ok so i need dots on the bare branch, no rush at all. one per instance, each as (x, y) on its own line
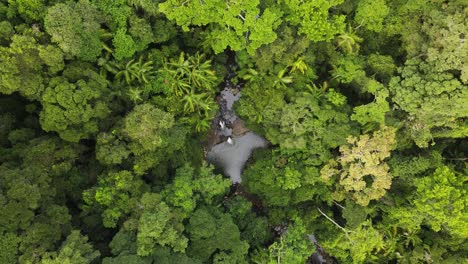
(333, 221)
(339, 205)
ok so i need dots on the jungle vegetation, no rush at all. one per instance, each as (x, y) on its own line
(105, 105)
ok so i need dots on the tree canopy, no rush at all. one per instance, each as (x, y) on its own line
(115, 116)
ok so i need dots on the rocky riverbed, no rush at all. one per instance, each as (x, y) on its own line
(230, 142)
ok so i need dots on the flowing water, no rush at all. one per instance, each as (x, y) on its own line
(237, 142)
(231, 144)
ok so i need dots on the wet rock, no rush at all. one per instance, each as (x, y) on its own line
(239, 128)
(231, 156)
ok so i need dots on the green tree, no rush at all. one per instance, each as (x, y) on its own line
(313, 19)
(149, 6)
(438, 38)
(374, 112)
(147, 126)
(6, 32)
(447, 48)
(357, 245)
(30, 9)
(293, 246)
(124, 45)
(75, 28)
(428, 222)
(239, 25)
(441, 199)
(123, 247)
(303, 125)
(30, 196)
(383, 67)
(191, 187)
(22, 66)
(74, 109)
(140, 29)
(144, 139)
(8, 124)
(117, 11)
(286, 50)
(8, 247)
(131, 33)
(111, 149)
(371, 14)
(254, 229)
(213, 235)
(75, 250)
(159, 224)
(434, 102)
(282, 185)
(117, 193)
(52, 57)
(347, 69)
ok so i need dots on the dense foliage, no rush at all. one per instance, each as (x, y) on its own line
(104, 105)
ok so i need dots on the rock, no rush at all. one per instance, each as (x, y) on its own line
(238, 128)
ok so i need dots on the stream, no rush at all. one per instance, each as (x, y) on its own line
(232, 143)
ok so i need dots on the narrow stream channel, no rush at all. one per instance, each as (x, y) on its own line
(231, 144)
(236, 141)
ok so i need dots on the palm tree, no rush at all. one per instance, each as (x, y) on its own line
(135, 95)
(282, 80)
(191, 80)
(349, 41)
(299, 65)
(134, 71)
(200, 103)
(191, 74)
